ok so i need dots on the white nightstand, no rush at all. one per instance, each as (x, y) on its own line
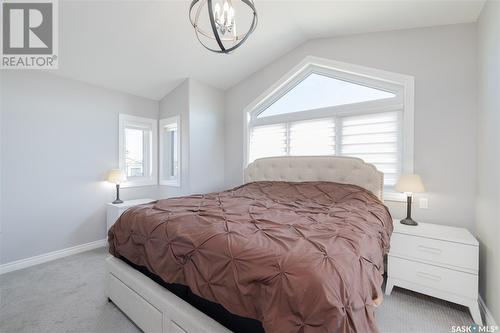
(115, 210)
(435, 260)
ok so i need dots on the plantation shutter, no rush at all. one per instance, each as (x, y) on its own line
(375, 138)
(268, 140)
(312, 137)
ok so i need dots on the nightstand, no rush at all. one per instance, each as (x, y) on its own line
(115, 210)
(435, 260)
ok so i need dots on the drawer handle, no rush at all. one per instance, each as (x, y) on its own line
(429, 276)
(432, 250)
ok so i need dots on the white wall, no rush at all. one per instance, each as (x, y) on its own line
(206, 138)
(176, 103)
(59, 138)
(488, 154)
(201, 108)
(443, 62)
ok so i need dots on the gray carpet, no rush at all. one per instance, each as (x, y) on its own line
(67, 295)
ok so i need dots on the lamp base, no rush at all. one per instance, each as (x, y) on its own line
(408, 221)
(118, 201)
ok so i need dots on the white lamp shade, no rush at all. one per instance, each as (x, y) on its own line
(410, 183)
(116, 176)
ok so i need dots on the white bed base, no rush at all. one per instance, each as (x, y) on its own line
(155, 309)
(152, 307)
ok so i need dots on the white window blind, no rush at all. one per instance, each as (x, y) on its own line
(312, 137)
(268, 140)
(375, 138)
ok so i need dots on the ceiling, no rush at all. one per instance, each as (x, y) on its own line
(147, 48)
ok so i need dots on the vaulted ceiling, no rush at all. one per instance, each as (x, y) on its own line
(147, 48)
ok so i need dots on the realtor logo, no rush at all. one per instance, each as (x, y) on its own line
(29, 34)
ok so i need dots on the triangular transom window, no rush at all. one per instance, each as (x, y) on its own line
(319, 91)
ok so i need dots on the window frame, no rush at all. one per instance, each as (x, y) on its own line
(334, 74)
(401, 85)
(163, 123)
(129, 121)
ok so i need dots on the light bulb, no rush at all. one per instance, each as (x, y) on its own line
(217, 12)
(231, 15)
(225, 10)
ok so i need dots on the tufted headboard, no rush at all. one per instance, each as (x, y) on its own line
(339, 169)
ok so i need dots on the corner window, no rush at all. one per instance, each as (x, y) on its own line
(330, 108)
(138, 150)
(170, 147)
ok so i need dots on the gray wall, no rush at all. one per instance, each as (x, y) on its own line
(206, 130)
(201, 108)
(176, 103)
(1, 159)
(443, 62)
(59, 138)
(488, 155)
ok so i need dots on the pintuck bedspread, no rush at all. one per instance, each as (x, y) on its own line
(299, 257)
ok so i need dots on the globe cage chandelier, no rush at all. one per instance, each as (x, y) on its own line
(222, 24)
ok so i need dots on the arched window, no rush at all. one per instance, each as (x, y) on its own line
(324, 107)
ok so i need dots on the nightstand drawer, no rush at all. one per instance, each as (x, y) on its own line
(438, 278)
(448, 254)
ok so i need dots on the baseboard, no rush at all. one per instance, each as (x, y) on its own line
(40, 259)
(488, 317)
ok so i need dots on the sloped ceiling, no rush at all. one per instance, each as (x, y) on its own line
(147, 48)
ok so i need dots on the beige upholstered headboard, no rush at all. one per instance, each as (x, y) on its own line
(339, 169)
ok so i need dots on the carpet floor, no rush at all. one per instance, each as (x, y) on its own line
(68, 295)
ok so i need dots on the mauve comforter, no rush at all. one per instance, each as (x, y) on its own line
(299, 257)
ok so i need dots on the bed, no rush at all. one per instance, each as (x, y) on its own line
(298, 248)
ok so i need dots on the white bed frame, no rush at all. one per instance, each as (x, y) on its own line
(155, 309)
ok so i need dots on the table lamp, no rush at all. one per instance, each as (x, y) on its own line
(409, 184)
(117, 176)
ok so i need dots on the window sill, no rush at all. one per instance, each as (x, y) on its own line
(172, 183)
(139, 183)
(394, 196)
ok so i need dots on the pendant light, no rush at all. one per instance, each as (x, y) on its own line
(215, 23)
